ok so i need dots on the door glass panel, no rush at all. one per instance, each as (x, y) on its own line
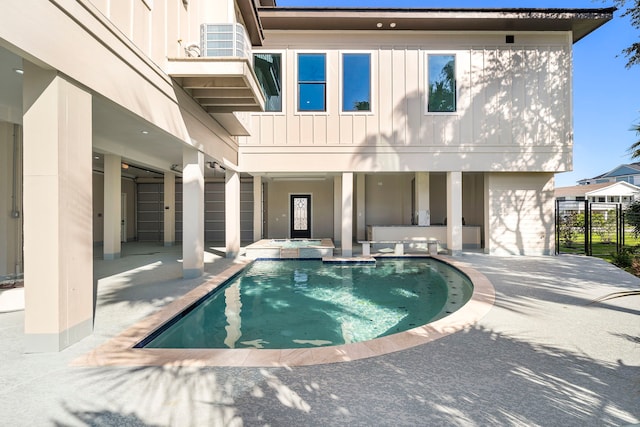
(300, 213)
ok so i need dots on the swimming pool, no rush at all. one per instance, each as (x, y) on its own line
(302, 304)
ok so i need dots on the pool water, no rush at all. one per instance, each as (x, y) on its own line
(301, 303)
(294, 243)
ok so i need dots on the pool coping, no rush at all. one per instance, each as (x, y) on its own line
(120, 351)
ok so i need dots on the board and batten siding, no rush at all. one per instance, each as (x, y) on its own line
(513, 113)
(519, 212)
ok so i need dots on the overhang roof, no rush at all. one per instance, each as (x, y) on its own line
(580, 22)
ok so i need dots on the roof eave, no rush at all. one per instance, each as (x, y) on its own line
(580, 22)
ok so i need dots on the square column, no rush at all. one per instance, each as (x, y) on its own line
(361, 227)
(337, 210)
(347, 214)
(58, 235)
(112, 206)
(192, 213)
(454, 213)
(169, 208)
(257, 208)
(232, 213)
(423, 215)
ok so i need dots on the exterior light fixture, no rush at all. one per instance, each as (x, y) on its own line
(125, 166)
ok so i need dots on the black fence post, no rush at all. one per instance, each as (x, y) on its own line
(587, 228)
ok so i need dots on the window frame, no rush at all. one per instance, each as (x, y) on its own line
(283, 78)
(370, 111)
(326, 82)
(456, 100)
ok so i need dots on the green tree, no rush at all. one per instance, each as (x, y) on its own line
(632, 10)
(632, 217)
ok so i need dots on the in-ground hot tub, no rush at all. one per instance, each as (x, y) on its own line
(290, 248)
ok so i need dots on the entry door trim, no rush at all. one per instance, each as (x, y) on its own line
(300, 228)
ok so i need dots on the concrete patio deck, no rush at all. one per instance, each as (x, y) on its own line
(542, 356)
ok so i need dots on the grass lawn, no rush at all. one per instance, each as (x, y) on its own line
(599, 248)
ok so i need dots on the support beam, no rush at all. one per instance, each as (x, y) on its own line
(423, 213)
(232, 213)
(347, 214)
(192, 213)
(112, 206)
(454, 213)
(257, 208)
(361, 214)
(58, 237)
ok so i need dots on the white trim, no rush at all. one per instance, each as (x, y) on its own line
(372, 78)
(296, 94)
(425, 101)
(283, 77)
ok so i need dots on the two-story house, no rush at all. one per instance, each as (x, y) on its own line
(183, 121)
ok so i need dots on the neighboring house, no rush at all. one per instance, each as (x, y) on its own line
(131, 120)
(617, 192)
(624, 173)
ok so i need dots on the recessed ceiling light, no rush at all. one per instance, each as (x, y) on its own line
(19, 71)
(96, 157)
(392, 25)
(144, 132)
(379, 25)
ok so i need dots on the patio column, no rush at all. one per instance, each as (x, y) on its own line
(192, 213)
(361, 227)
(257, 208)
(337, 210)
(454, 213)
(58, 230)
(423, 216)
(347, 214)
(232, 213)
(112, 206)
(169, 208)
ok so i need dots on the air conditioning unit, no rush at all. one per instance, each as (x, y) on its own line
(230, 40)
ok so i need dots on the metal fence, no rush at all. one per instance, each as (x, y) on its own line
(589, 228)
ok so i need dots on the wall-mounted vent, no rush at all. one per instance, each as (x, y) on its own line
(224, 40)
(510, 39)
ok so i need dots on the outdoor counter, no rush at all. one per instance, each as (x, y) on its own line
(470, 233)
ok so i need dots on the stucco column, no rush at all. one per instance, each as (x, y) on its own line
(423, 214)
(112, 206)
(454, 213)
(58, 236)
(361, 227)
(232, 213)
(169, 208)
(192, 213)
(347, 214)
(337, 210)
(257, 208)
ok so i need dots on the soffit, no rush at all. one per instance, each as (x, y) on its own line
(580, 22)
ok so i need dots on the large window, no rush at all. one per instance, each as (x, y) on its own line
(356, 82)
(268, 68)
(442, 83)
(312, 82)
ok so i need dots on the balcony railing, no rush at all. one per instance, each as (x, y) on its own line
(224, 40)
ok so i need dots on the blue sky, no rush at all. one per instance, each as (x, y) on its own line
(606, 95)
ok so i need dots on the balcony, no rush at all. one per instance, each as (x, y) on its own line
(219, 75)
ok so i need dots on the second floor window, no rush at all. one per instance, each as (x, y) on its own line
(268, 68)
(312, 82)
(442, 83)
(356, 82)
